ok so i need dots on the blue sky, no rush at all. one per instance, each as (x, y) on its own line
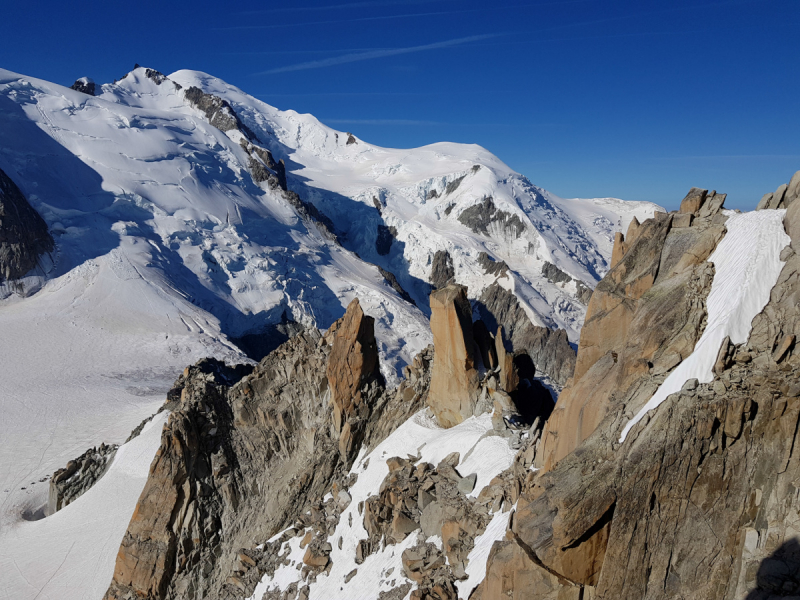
(638, 100)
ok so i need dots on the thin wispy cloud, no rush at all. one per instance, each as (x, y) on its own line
(337, 21)
(373, 54)
(382, 122)
(343, 6)
(459, 11)
(732, 157)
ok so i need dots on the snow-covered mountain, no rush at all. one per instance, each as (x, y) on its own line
(174, 240)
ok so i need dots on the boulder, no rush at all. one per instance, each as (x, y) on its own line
(693, 201)
(454, 380)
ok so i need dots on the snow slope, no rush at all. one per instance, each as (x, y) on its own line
(383, 570)
(747, 265)
(346, 181)
(71, 554)
(166, 250)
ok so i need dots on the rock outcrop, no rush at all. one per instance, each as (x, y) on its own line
(24, 237)
(491, 266)
(442, 271)
(352, 366)
(84, 85)
(383, 242)
(390, 278)
(69, 483)
(217, 110)
(549, 349)
(483, 216)
(643, 319)
(556, 275)
(454, 381)
(245, 454)
(784, 196)
(699, 501)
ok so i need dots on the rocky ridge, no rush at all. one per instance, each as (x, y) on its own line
(24, 237)
(249, 452)
(69, 483)
(697, 502)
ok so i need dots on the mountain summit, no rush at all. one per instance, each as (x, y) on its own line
(190, 220)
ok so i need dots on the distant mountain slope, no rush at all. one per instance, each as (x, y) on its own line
(174, 237)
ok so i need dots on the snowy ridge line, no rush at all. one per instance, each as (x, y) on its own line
(747, 266)
(167, 250)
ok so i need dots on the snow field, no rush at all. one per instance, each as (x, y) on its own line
(71, 554)
(747, 265)
(165, 249)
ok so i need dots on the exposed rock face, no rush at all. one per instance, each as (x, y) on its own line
(699, 501)
(556, 275)
(157, 76)
(454, 382)
(23, 233)
(647, 313)
(218, 111)
(78, 476)
(311, 213)
(515, 576)
(699, 504)
(352, 366)
(178, 520)
(784, 196)
(491, 266)
(453, 185)
(395, 407)
(386, 235)
(549, 349)
(480, 217)
(84, 85)
(246, 455)
(442, 271)
(395, 285)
